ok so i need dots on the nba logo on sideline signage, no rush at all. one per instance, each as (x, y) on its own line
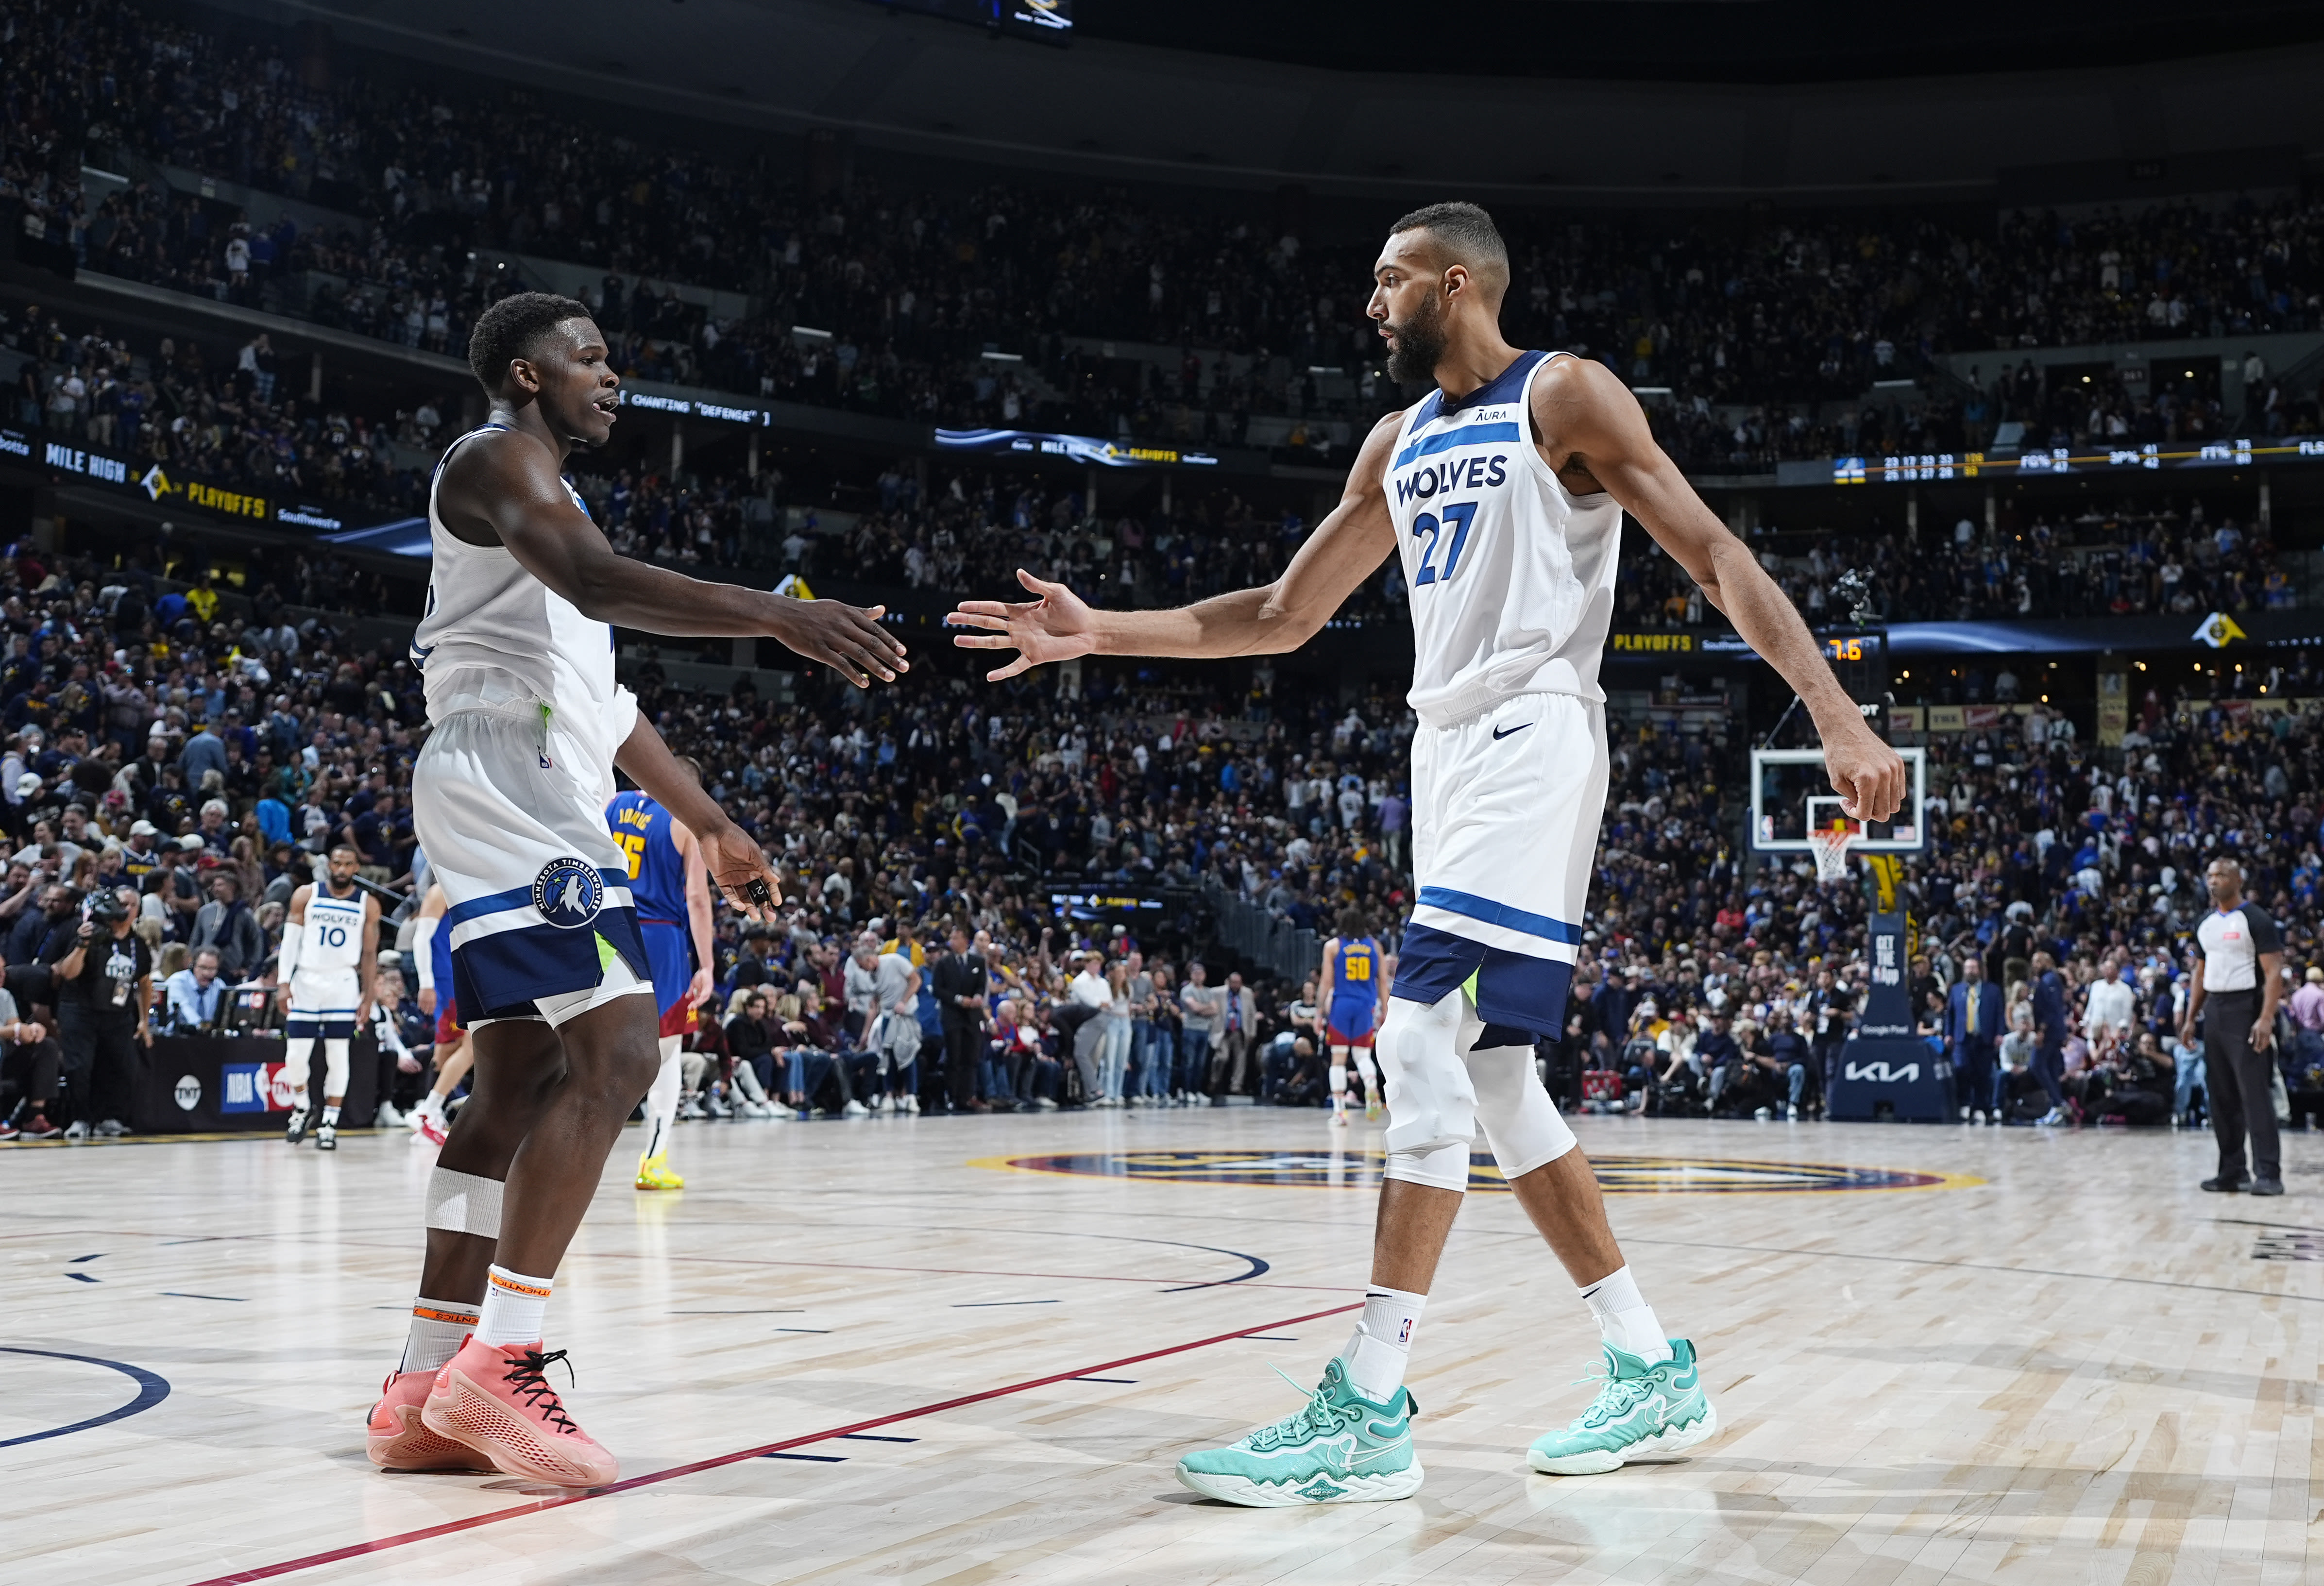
(254, 1087)
(569, 892)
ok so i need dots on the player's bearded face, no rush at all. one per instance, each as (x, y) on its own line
(1419, 343)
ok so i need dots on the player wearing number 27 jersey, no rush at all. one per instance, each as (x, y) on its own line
(1501, 492)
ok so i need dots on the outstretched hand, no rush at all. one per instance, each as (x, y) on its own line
(847, 638)
(1054, 627)
(1864, 771)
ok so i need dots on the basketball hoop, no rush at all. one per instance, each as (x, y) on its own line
(1829, 846)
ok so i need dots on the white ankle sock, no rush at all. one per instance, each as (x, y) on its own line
(331, 1116)
(1382, 1345)
(438, 1326)
(1625, 1320)
(514, 1309)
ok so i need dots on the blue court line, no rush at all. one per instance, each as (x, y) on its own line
(802, 1330)
(875, 1437)
(77, 1260)
(1105, 1379)
(1270, 1338)
(179, 1295)
(81, 1277)
(817, 1459)
(152, 1390)
(985, 1305)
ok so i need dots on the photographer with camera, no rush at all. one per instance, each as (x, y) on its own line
(104, 991)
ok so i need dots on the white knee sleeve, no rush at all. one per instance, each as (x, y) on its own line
(335, 1067)
(1367, 1067)
(462, 1202)
(1432, 1105)
(1522, 1125)
(296, 1051)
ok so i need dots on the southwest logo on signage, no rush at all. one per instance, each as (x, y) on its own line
(255, 1087)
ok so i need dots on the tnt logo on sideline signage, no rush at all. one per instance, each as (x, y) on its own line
(255, 1087)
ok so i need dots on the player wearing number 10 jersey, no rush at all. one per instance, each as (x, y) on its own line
(1502, 492)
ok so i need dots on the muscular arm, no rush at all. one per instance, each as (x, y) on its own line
(1352, 539)
(1596, 435)
(367, 972)
(504, 489)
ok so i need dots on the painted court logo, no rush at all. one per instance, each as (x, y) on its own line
(1617, 1175)
(569, 892)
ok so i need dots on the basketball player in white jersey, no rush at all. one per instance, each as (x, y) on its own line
(326, 968)
(1503, 491)
(508, 799)
(431, 946)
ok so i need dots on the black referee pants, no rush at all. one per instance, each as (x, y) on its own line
(2242, 1100)
(99, 1054)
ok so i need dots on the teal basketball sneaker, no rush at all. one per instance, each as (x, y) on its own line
(1342, 1448)
(1642, 1412)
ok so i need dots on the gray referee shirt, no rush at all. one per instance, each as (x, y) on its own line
(2230, 941)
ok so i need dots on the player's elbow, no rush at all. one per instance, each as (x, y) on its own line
(1283, 625)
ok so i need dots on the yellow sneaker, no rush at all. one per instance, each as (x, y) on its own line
(1371, 1108)
(653, 1173)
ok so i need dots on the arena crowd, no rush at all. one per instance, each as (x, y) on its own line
(193, 754)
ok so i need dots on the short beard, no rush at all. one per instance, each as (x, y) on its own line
(1419, 345)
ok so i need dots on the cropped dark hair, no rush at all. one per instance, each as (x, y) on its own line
(1467, 236)
(512, 328)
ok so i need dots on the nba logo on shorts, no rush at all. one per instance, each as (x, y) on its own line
(569, 892)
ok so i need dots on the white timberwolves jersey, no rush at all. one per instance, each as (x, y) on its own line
(1510, 576)
(498, 637)
(332, 943)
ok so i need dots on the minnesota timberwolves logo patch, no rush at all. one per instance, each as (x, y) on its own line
(569, 892)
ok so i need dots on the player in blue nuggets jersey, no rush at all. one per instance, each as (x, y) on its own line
(1354, 996)
(672, 889)
(1501, 494)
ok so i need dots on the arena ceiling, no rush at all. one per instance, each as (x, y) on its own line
(1496, 101)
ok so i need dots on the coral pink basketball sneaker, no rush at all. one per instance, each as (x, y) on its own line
(497, 1401)
(399, 1442)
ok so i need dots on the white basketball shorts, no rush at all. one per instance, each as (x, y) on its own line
(323, 1005)
(1505, 814)
(513, 825)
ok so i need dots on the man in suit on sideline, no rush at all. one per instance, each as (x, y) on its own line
(961, 985)
(1973, 1029)
(1237, 1026)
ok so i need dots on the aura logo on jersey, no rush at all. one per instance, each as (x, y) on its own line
(1618, 1175)
(569, 892)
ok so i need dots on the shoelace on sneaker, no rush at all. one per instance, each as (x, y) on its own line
(1316, 1418)
(529, 1374)
(1614, 1399)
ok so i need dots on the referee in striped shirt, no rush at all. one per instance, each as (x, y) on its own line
(2237, 985)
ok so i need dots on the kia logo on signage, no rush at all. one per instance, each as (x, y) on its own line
(188, 1092)
(1883, 1074)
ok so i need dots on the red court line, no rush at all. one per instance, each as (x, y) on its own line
(450, 1527)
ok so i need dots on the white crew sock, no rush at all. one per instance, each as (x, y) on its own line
(514, 1309)
(1625, 1320)
(1382, 1345)
(331, 1115)
(438, 1326)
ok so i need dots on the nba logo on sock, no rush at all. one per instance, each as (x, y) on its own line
(569, 892)
(1404, 1333)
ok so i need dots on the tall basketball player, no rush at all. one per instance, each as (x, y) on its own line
(672, 890)
(1354, 999)
(1503, 491)
(328, 963)
(508, 799)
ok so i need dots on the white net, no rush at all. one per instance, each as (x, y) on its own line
(1829, 846)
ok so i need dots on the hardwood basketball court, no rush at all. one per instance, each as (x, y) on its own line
(969, 1350)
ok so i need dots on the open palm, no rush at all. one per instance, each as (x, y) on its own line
(1055, 627)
